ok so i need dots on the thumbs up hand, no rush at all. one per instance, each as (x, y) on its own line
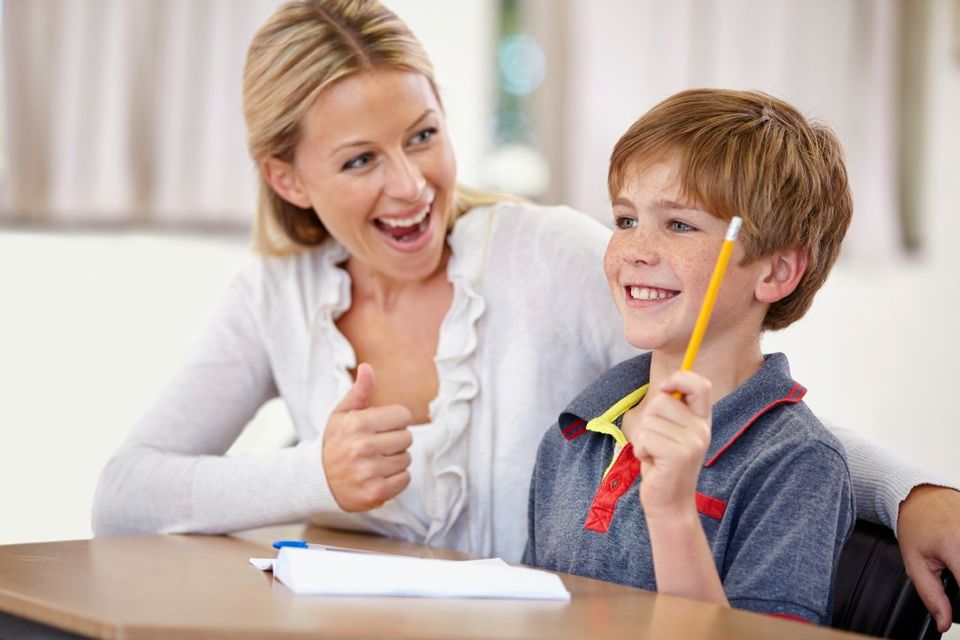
(365, 454)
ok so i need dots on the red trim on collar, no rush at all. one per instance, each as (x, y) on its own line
(787, 616)
(574, 429)
(796, 395)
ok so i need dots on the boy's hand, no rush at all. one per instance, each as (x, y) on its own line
(670, 438)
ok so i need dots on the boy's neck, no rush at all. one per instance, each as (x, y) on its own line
(727, 363)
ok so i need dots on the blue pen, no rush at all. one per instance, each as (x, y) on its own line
(302, 544)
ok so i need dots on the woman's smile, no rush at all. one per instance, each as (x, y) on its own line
(408, 231)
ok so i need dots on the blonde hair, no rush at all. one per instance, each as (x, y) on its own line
(304, 47)
(749, 154)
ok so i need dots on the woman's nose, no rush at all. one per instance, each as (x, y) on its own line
(405, 181)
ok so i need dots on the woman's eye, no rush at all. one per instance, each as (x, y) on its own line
(361, 160)
(678, 226)
(624, 222)
(424, 136)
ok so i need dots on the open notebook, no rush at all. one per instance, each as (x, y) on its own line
(327, 572)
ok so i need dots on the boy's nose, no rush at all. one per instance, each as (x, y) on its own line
(641, 250)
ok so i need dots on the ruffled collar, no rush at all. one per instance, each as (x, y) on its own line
(332, 357)
(458, 336)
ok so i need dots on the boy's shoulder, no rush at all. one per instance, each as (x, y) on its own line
(763, 418)
(769, 408)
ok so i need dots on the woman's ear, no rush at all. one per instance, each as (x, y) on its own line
(784, 269)
(284, 180)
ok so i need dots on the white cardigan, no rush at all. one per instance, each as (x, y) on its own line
(531, 324)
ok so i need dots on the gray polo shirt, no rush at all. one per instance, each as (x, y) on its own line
(774, 495)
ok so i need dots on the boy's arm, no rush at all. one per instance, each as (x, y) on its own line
(670, 438)
(682, 560)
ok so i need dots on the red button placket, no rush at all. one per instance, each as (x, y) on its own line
(617, 481)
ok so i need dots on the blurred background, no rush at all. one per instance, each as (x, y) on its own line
(126, 193)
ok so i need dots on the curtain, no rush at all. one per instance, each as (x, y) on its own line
(127, 111)
(836, 60)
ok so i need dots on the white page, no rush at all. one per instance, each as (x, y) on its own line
(321, 572)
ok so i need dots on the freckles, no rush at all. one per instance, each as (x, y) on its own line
(703, 260)
(706, 253)
(610, 259)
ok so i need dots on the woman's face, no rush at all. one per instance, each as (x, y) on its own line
(375, 163)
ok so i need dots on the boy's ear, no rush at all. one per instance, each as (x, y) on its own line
(284, 180)
(781, 275)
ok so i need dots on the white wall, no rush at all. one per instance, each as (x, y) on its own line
(91, 328)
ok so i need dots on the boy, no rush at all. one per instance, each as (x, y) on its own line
(747, 505)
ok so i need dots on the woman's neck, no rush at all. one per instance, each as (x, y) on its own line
(379, 290)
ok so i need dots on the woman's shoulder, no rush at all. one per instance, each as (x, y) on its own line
(301, 275)
(520, 213)
(528, 226)
(533, 249)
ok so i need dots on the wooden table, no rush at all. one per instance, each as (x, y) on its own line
(203, 587)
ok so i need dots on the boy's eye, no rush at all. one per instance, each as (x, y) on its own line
(423, 136)
(678, 226)
(361, 160)
(624, 222)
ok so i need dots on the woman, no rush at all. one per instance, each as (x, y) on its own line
(474, 317)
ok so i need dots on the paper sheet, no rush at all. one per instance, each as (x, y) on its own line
(322, 572)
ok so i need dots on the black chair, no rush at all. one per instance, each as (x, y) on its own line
(873, 594)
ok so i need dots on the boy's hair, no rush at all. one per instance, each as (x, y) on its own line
(749, 154)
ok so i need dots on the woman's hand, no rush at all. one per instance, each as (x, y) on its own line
(928, 529)
(365, 454)
(670, 438)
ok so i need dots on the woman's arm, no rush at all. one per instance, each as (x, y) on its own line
(881, 481)
(923, 510)
(171, 475)
(929, 534)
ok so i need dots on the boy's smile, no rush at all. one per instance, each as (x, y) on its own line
(659, 261)
(640, 295)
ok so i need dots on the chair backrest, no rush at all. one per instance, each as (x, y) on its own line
(873, 594)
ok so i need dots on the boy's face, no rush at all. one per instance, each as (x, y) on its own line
(659, 261)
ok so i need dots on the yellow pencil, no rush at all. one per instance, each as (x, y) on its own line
(706, 309)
